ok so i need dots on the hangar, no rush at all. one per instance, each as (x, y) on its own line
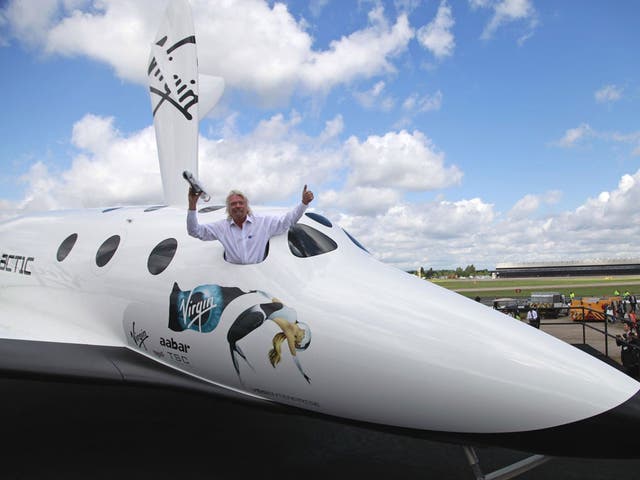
(627, 266)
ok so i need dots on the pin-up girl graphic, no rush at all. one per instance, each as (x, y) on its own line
(296, 334)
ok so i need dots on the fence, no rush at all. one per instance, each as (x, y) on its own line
(591, 315)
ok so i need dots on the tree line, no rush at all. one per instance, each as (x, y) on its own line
(466, 272)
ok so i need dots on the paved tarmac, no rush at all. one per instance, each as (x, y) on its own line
(592, 334)
(56, 430)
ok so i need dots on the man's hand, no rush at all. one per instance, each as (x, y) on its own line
(193, 198)
(307, 196)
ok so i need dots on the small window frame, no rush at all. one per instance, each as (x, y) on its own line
(321, 219)
(305, 241)
(107, 250)
(162, 255)
(66, 246)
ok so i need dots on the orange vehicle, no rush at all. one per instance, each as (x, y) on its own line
(591, 308)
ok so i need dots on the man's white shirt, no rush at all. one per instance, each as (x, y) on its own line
(247, 244)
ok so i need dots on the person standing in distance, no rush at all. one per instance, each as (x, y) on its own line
(243, 235)
(533, 317)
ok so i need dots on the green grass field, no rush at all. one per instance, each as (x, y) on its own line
(522, 287)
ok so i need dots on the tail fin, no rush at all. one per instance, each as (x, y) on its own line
(211, 89)
(175, 97)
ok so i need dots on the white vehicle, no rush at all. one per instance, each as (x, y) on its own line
(124, 294)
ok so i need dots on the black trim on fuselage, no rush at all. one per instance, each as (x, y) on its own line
(601, 436)
(102, 364)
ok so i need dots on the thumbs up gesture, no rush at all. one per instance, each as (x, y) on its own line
(307, 195)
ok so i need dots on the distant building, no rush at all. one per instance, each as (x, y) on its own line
(629, 266)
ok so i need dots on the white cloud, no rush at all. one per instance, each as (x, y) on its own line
(442, 234)
(407, 5)
(316, 6)
(400, 160)
(525, 206)
(365, 184)
(436, 36)
(40, 183)
(530, 203)
(360, 201)
(375, 98)
(94, 133)
(632, 138)
(415, 104)
(508, 11)
(433, 233)
(272, 53)
(604, 197)
(29, 20)
(425, 103)
(115, 32)
(602, 227)
(272, 163)
(574, 135)
(332, 129)
(4, 40)
(255, 47)
(608, 94)
(462, 217)
(111, 169)
(612, 210)
(553, 197)
(362, 54)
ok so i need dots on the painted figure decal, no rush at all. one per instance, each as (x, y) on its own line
(202, 308)
(297, 334)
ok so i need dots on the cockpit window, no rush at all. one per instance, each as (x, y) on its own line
(161, 256)
(66, 246)
(320, 219)
(306, 241)
(107, 250)
(355, 241)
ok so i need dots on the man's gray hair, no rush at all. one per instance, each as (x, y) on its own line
(240, 194)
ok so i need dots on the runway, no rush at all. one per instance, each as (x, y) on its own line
(77, 431)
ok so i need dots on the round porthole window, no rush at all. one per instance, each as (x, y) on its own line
(161, 256)
(107, 250)
(66, 246)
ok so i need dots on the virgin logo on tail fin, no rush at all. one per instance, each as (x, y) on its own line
(174, 88)
(169, 86)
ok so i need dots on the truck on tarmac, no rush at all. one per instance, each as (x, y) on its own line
(549, 304)
(592, 308)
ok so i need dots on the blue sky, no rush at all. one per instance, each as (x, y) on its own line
(439, 133)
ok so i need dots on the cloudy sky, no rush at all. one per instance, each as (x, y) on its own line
(440, 133)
